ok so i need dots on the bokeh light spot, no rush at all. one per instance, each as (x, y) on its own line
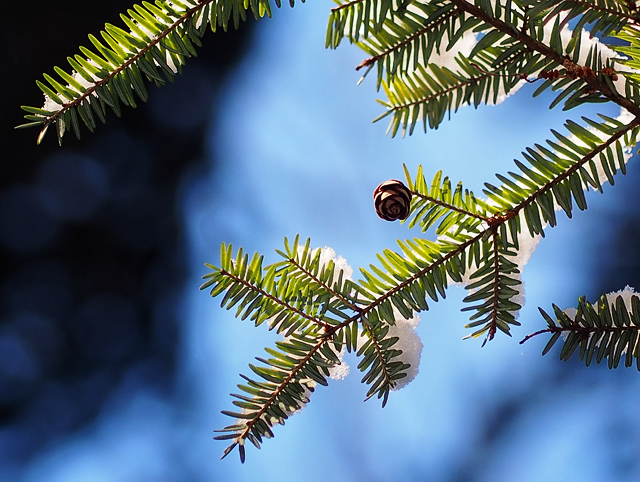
(105, 327)
(72, 187)
(24, 224)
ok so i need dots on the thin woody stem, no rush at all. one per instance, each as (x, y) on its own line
(540, 332)
(585, 330)
(346, 5)
(450, 206)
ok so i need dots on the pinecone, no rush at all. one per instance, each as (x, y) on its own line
(392, 200)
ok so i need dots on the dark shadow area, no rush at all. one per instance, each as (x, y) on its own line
(91, 251)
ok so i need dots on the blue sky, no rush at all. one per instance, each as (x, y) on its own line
(298, 154)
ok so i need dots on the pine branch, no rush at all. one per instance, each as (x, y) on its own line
(274, 294)
(402, 50)
(159, 38)
(631, 35)
(378, 358)
(440, 203)
(562, 175)
(405, 39)
(151, 30)
(432, 92)
(595, 84)
(554, 178)
(494, 287)
(307, 297)
(307, 354)
(608, 330)
(345, 292)
(301, 363)
(418, 273)
(405, 42)
(477, 240)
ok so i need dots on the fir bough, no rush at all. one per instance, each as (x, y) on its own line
(430, 58)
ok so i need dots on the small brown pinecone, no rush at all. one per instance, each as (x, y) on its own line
(392, 200)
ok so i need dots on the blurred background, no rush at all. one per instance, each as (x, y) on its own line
(114, 366)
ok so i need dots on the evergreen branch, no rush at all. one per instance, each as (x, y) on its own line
(552, 179)
(405, 40)
(304, 296)
(415, 34)
(429, 93)
(154, 25)
(267, 301)
(454, 208)
(407, 110)
(378, 357)
(449, 207)
(286, 302)
(503, 60)
(595, 83)
(422, 269)
(407, 103)
(160, 37)
(289, 378)
(562, 176)
(419, 274)
(632, 50)
(493, 324)
(609, 330)
(268, 296)
(403, 43)
(494, 287)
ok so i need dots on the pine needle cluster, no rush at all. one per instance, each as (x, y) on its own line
(429, 59)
